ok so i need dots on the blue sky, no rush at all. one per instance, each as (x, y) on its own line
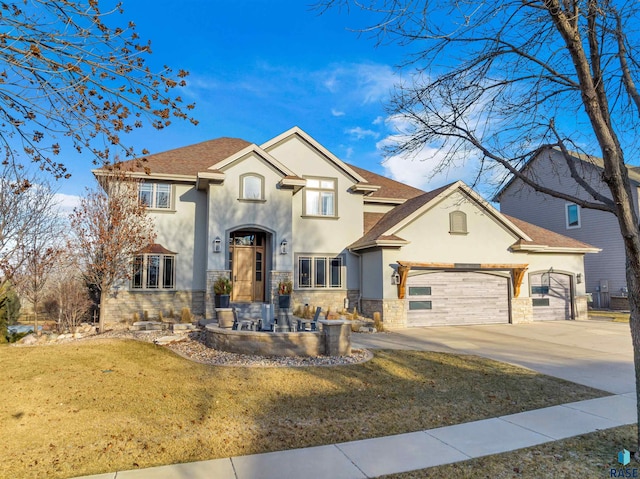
(259, 67)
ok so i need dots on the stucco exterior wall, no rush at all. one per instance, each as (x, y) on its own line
(183, 230)
(227, 213)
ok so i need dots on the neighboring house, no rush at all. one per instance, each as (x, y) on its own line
(290, 210)
(605, 272)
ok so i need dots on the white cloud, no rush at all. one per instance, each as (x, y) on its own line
(336, 112)
(429, 167)
(66, 203)
(378, 121)
(360, 133)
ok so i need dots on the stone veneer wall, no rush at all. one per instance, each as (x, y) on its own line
(212, 277)
(120, 308)
(582, 307)
(276, 278)
(325, 298)
(521, 310)
(392, 311)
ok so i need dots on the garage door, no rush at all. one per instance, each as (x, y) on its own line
(451, 298)
(550, 296)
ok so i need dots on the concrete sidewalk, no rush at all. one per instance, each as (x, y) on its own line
(405, 452)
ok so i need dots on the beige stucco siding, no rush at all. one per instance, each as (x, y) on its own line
(318, 234)
(183, 231)
(227, 211)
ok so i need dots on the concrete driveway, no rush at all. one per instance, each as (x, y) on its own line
(594, 353)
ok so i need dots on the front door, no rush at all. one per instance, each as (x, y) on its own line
(246, 255)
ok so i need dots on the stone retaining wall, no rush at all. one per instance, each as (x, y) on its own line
(333, 340)
(120, 309)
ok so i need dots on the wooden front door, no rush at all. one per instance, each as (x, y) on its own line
(246, 254)
(243, 265)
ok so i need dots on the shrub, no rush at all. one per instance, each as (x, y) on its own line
(136, 317)
(145, 315)
(185, 315)
(222, 286)
(160, 316)
(377, 322)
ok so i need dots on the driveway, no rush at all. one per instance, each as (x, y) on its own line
(594, 353)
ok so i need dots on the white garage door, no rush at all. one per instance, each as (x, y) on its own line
(551, 296)
(451, 298)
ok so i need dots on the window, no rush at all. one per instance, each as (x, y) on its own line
(320, 197)
(573, 215)
(155, 195)
(537, 302)
(153, 271)
(251, 187)
(417, 305)
(319, 272)
(457, 222)
(542, 290)
(419, 290)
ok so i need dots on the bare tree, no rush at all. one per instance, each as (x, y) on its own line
(501, 80)
(37, 254)
(109, 228)
(71, 77)
(27, 218)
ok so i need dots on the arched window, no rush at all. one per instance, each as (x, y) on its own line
(457, 222)
(252, 187)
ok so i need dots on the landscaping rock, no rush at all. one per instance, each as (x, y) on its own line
(183, 327)
(148, 326)
(164, 340)
(29, 340)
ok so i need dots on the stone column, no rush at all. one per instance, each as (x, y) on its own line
(337, 337)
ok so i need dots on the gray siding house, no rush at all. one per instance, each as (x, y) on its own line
(604, 272)
(290, 210)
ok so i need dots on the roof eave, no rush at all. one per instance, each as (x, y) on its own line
(145, 176)
(380, 244)
(554, 249)
(364, 188)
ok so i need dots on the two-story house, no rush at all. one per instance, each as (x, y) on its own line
(289, 210)
(605, 272)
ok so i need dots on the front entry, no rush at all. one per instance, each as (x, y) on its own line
(246, 262)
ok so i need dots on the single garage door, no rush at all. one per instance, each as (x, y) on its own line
(550, 296)
(453, 298)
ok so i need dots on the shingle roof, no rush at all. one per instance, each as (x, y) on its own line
(189, 160)
(545, 237)
(388, 188)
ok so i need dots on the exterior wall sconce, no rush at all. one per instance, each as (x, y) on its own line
(217, 245)
(395, 278)
(284, 247)
(579, 278)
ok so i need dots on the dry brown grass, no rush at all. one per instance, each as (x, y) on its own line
(91, 407)
(590, 456)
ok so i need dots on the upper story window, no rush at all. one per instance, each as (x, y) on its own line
(154, 271)
(572, 215)
(252, 187)
(320, 197)
(155, 195)
(458, 222)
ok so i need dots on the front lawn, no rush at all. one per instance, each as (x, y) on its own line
(98, 406)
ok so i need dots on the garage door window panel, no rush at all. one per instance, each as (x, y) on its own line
(419, 305)
(419, 290)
